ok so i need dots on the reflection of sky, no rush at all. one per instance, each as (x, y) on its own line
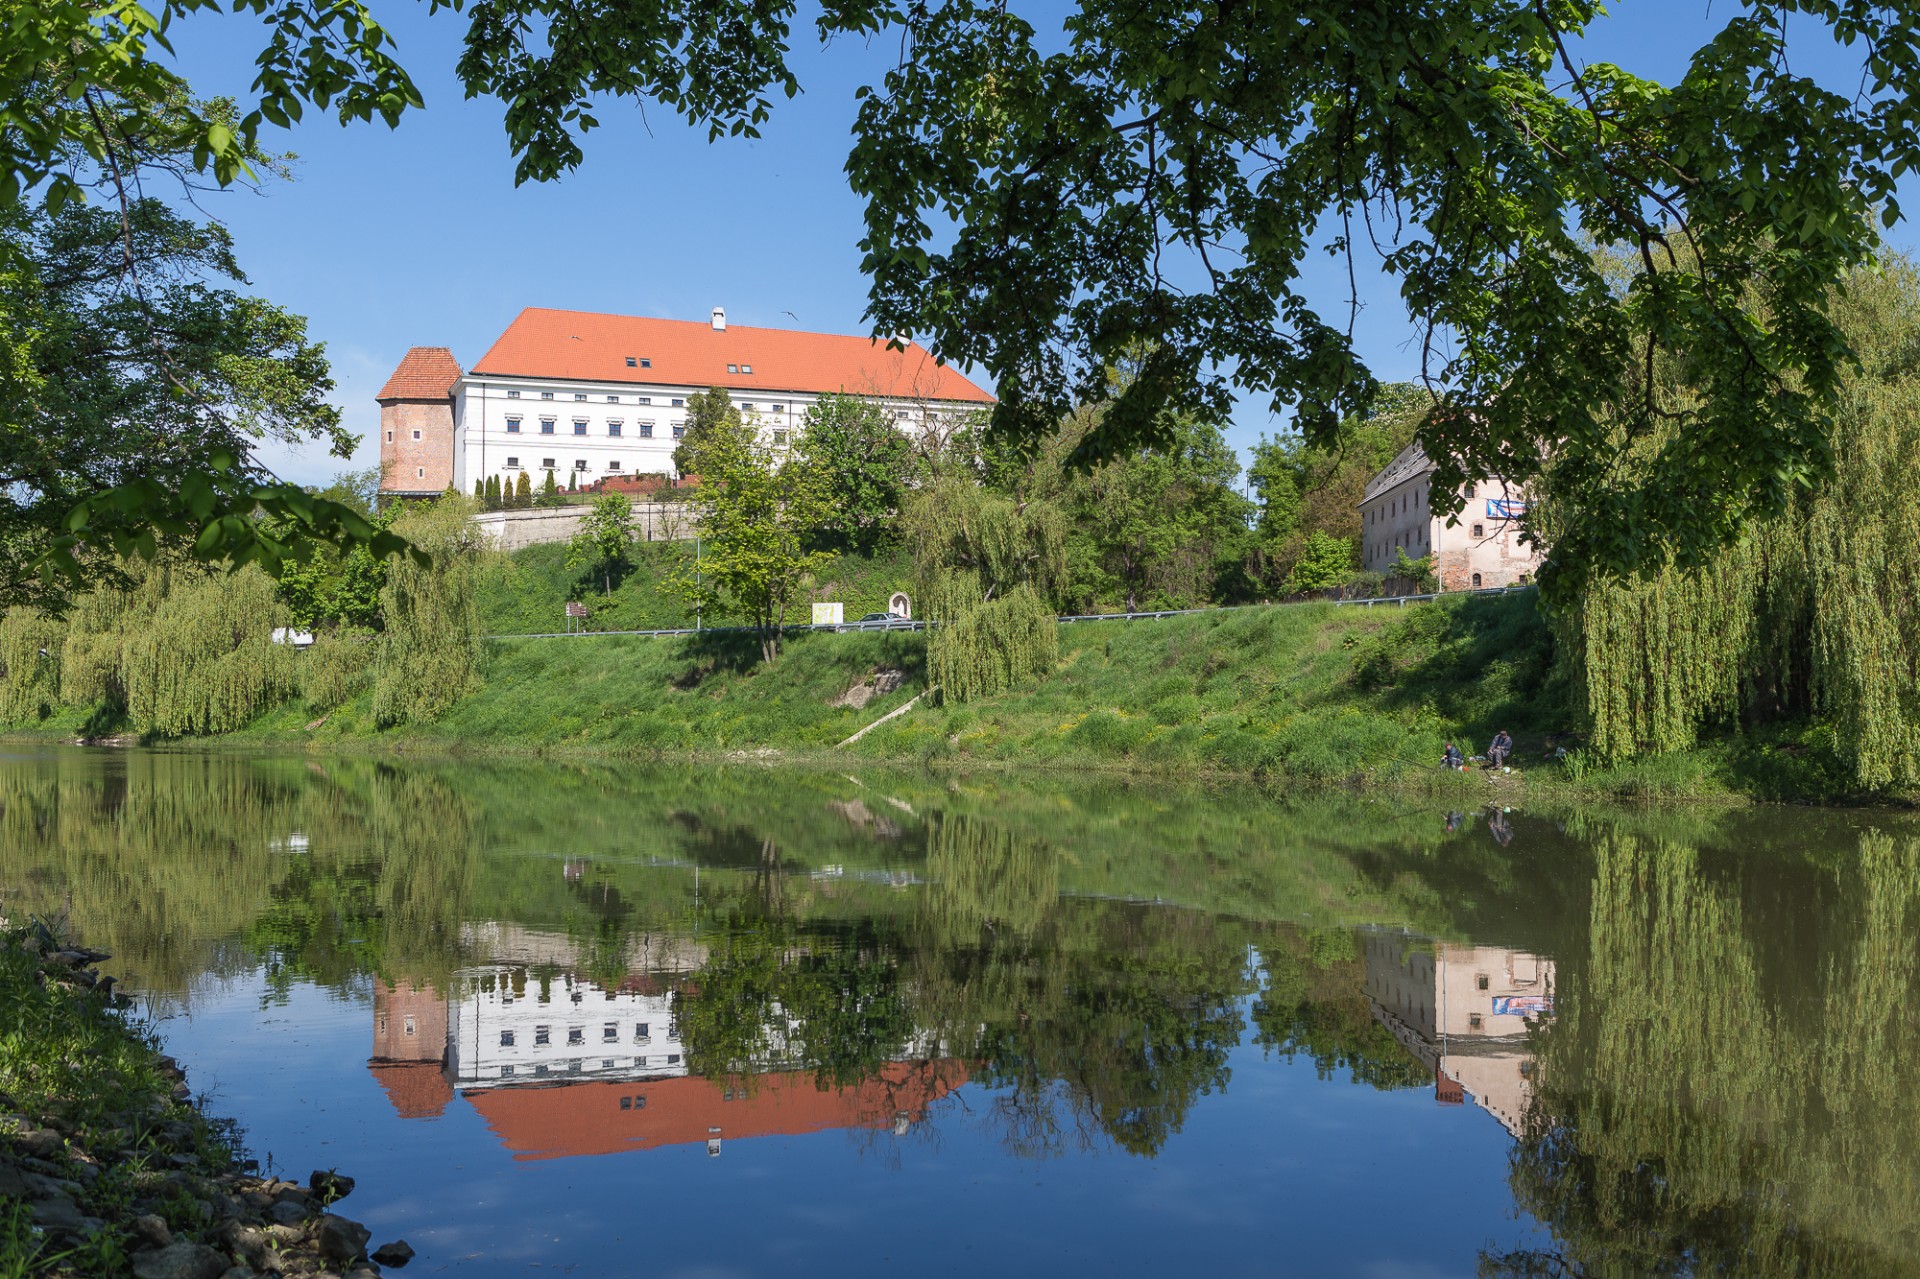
(1280, 1174)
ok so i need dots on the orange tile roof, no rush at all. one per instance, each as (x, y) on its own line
(417, 1089)
(427, 373)
(588, 347)
(587, 1118)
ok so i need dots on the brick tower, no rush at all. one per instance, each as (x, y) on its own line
(416, 424)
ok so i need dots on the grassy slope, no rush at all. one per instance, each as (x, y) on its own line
(1302, 692)
(524, 593)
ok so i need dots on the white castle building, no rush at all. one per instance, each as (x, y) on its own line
(599, 396)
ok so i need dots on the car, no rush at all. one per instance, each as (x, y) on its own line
(875, 622)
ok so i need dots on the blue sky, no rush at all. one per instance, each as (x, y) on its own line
(417, 236)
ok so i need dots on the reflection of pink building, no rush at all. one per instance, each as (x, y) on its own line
(1465, 1013)
(410, 1048)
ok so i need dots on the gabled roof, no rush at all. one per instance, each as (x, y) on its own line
(427, 373)
(588, 347)
(1411, 462)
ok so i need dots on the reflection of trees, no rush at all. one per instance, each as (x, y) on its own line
(1110, 1019)
(1314, 1001)
(987, 875)
(774, 996)
(1727, 1086)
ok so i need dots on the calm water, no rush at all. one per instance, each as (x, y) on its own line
(620, 1021)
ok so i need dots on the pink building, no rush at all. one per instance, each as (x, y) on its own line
(1479, 548)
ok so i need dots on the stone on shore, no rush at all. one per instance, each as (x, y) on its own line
(398, 1253)
(179, 1261)
(341, 1240)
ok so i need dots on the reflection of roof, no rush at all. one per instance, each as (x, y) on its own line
(588, 1118)
(585, 346)
(417, 1089)
(1412, 461)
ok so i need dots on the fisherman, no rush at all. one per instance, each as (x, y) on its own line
(1502, 748)
(1453, 758)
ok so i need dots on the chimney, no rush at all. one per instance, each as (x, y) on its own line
(719, 319)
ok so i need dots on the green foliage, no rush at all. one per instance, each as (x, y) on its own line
(493, 493)
(523, 492)
(863, 463)
(1325, 562)
(428, 655)
(970, 543)
(1815, 612)
(713, 424)
(606, 536)
(998, 645)
(1418, 571)
(29, 665)
(756, 519)
(336, 669)
(549, 492)
(109, 314)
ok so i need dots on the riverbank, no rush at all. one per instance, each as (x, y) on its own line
(1285, 696)
(108, 1168)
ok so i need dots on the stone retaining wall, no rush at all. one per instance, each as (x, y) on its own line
(511, 530)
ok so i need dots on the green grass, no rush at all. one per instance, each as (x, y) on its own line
(527, 591)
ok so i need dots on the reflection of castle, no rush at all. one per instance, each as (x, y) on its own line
(1463, 1011)
(560, 1066)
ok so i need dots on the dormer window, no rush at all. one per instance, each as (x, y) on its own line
(645, 363)
(746, 368)
(733, 368)
(632, 363)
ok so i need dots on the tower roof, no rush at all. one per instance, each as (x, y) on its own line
(427, 373)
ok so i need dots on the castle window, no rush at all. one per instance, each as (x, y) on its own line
(576, 1034)
(546, 464)
(546, 426)
(643, 399)
(1471, 490)
(1473, 1020)
(546, 395)
(646, 430)
(778, 408)
(613, 466)
(416, 435)
(744, 408)
(513, 426)
(613, 399)
(513, 464)
(513, 395)
(679, 430)
(505, 1071)
(1479, 530)
(579, 463)
(679, 404)
(579, 426)
(613, 429)
(419, 472)
(389, 437)
(1476, 581)
(506, 1039)
(579, 395)
(779, 437)
(541, 1034)
(609, 1033)
(640, 1036)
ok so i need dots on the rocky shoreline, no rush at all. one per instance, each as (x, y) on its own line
(124, 1174)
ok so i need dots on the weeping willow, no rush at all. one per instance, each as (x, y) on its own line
(1816, 611)
(996, 646)
(987, 875)
(985, 569)
(179, 650)
(430, 651)
(336, 669)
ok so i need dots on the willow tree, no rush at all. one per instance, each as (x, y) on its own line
(986, 567)
(427, 659)
(1814, 612)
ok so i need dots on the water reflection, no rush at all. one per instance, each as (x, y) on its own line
(1690, 1037)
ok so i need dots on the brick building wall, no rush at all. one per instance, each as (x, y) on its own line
(416, 445)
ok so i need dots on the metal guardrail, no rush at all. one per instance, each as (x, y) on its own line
(1399, 601)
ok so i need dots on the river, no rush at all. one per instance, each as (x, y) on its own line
(598, 1020)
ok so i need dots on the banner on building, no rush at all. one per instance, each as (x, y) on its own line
(1523, 1005)
(1504, 508)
